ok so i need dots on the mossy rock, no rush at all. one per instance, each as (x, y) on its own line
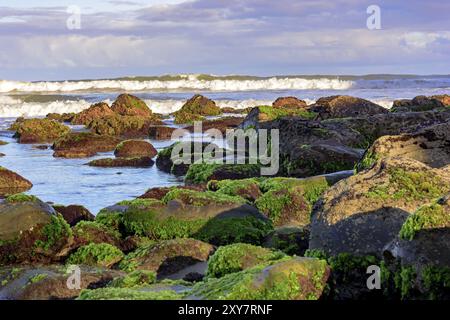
(129, 105)
(167, 257)
(418, 104)
(135, 148)
(86, 232)
(83, 144)
(199, 198)
(134, 162)
(294, 279)
(95, 111)
(137, 278)
(288, 201)
(204, 172)
(364, 213)
(126, 126)
(96, 254)
(195, 108)
(245, 188)
(74, 213)
(145, 293)
(31, 231)
(290, 240)
(238, 257)
(11, 182)
(39, 130)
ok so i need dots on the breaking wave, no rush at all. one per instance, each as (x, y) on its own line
(188, 83)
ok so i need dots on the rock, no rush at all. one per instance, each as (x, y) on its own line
(294, 279)
(64, 117)
(159, 192)
(360, 215)
(195, 108)
(2, 143)
(290, 240)
(83, 144)
(204, 172)
(419, 103)
(290, 103)
(126, 126)
(96, 254)
(95, 111)
(430, 145)
(135, 162)
(160, 132)
(86, 232)
(39, 130)
(288, 201)
(11, 182)
(31, 231)
(422, 251)
(207, 216)
(167, 257)
(444, 98)
(49, 282)
(222, 124)
(240, 256)
(245, 188)
(235, 110)
(261, 114)
(74, 213)
(129, 105)
(345, 106)
(135, 148)
(41, 147)
(2, 154)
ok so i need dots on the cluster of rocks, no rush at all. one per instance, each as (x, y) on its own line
(310, 233)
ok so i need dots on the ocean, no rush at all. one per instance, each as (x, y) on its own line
(69, 181)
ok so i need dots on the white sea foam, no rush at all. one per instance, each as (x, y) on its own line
(190, 83)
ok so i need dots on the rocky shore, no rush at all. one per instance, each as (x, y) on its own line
(358, 186)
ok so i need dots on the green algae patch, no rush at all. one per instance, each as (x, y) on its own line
(199, 198)
(203, 172)
(238, 257)
(410, 185)
(427, 217)
(20, 197)
(270, 113)
(102, 255)
(294, 279)
(245, 188)
(52, 233)
(137, 278)
(128, 294)
(92, 231)
(290, 200)
(230, 230)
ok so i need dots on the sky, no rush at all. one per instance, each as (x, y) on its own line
(254, 37)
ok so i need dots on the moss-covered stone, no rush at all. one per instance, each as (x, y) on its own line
(39, 130)
(20, 197)
(204, 172)
(83, 144)
(290, 240)
(199, 199)
(86, 232)
(128, 294)
(137, 278)
(11, 182)
(167, 257)
(294, 279)
(290, 200)
(127, 126)
(245, 188)
(195, 108)
(238, 257)
(93, 254)
(129, 105)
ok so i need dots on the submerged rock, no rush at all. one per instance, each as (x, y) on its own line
(135, 162)
(11, 182)
(83, 144)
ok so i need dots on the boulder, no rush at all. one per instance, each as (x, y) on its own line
(11, 182)
(240, 256)
(86, 232)
(246, 188)
(345, 106)
(293, 279)
(444, 98)
(74, 213)
(95, 111)
(83, 144)
(103, 255)
(39, 130)
(135, 148)
(430, 145)
(160, 132)
(204, 172)
(290, 240)
(129, 105)
(360, 215)
(222, 124)
(159, 192)
(195, 108)
(64, 117)
(262, 114)
(135, 162)
(31, 231)
(290, 103)
(419, 103)
(167, 257)
(126, 126)
(49, 282)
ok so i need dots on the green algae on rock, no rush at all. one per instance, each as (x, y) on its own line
(39, 130)
(96, 254)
